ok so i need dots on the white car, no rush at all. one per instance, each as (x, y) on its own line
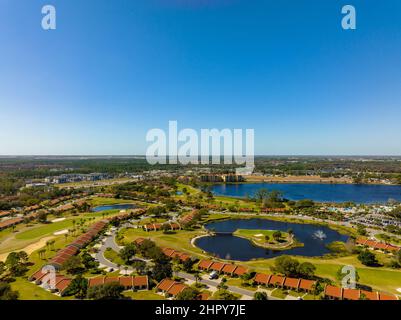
(213, 275)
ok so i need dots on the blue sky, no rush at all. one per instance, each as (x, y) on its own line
(115, 69)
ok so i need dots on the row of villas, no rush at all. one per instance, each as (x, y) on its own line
(61, 282)
(272, 280)
(337, 293)
(224, 268)
(173, 288)
(382, 246)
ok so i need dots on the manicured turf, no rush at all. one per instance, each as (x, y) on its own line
(258, 236)
(113, 256)
(30, 291)
(44, 229)
(143, 295)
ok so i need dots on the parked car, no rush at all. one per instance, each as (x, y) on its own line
(213, 275)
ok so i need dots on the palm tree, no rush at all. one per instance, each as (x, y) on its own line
(42, 253)
(197, 277)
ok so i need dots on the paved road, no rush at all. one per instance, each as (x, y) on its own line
(214, 283)
(111, 243)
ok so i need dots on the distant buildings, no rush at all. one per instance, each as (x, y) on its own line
(222, 178)
(77, 177)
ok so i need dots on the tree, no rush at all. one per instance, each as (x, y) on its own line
(162, 269)
(187, 265)
(139, 266)
(277, 235)
(367, 258)
(260, 296)
(42, 217)
(109, 291)
(398, 256)
(361, 230)
(261, 195)
(306, 270)
(222, 285)
(2, 268)
(128, 252)
(77, 287)
(197, 277)
(224, 295)
(166, 228)
(15, 263)
(188, 294)
(286, 265)
(6, 293)
(88, 261)
(73, 265)
(42, 253)
(267, 238)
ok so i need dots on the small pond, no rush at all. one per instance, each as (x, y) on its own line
(227, 246)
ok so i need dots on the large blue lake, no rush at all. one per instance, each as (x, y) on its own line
(227, 246)
(316, 192)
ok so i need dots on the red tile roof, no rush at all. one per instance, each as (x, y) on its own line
(351, 294)
(176, 289)
(292, 282)
(141, 281)
(306, 284)
(229, 268)
(217, 266)
(334, 292)
(385, 296)
(240, 270)
(370, 295)
(276, 280)
(165, 284)
(205, 264)
(262, 278)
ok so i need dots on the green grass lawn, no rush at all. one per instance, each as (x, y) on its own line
(99, 201)
(279, 293)
(388, 239)
(237, 282)
(258, 236)
(113, 256)
(43, 230)
(30, 291)
(143, 295)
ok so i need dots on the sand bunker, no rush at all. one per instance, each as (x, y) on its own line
(259, 235)
(59, 233)
(28, 249)
(58, 220)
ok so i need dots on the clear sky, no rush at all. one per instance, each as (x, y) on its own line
(115, 69)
